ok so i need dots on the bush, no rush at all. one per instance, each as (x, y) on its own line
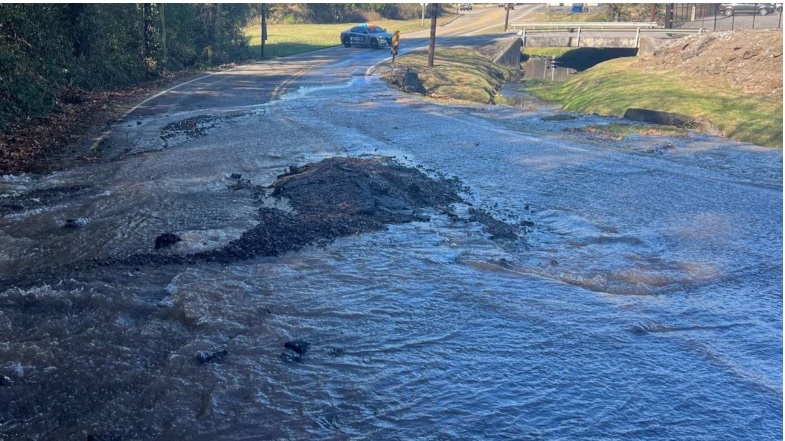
(47, 47)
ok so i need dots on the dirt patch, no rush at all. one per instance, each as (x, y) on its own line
(340, 197)
(60, 140)
(747, 60)
(345, 196)
(334, 198)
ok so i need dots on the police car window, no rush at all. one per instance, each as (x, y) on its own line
(357, 29)
(376, 30)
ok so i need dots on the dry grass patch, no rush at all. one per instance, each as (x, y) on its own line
(462, 74)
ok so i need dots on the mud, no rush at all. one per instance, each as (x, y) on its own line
(190, 128)
(333, 198)
(339, 197)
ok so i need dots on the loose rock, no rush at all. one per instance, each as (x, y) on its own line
(298, 346)
(294, 350)
(166, 240)
(212, 356)
(75, 223)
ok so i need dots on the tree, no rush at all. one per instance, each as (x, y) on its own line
(147, 39)
(78, 22)
(49, 50)
(629, 11)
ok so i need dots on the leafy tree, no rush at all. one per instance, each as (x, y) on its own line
(632, 11)
(48, 48)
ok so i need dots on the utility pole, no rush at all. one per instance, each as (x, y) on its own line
(669, 15)
(432, 43)
(263, 35)
(507, 7)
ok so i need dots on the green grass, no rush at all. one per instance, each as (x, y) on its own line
(556, 15)
(612, 87)
(292, 39)
(458, 73)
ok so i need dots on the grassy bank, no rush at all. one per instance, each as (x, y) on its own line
(554, 52)
(459, 73)
(292, 39)
(612, 87)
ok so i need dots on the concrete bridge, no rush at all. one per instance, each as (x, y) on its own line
(594, 34)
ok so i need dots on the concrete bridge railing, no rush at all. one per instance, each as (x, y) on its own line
(580, 36)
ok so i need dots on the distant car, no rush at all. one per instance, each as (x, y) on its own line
(464, 6)
(368, 35)
(730, 9)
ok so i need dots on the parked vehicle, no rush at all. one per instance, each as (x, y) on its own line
(464, 6)
(730, 9)
(368, 35)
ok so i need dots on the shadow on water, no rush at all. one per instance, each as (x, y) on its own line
(586, 57)
(563, 67)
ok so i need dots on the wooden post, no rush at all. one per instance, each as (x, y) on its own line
(432, 42)
(669, 15)
(396, 40)
(263, 35)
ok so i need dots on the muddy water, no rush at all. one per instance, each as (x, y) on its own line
(643, 302)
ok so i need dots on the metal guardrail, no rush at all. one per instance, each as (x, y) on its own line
(586, 25)
(685, 31)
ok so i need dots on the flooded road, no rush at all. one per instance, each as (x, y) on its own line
(643, 299)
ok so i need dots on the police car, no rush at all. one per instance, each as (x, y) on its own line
(367, 35)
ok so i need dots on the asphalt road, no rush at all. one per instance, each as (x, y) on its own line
(260, 82)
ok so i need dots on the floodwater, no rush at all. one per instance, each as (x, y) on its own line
(644, 300)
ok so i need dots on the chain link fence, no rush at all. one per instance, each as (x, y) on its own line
(727, 16)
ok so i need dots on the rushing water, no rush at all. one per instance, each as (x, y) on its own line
(645, 301)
